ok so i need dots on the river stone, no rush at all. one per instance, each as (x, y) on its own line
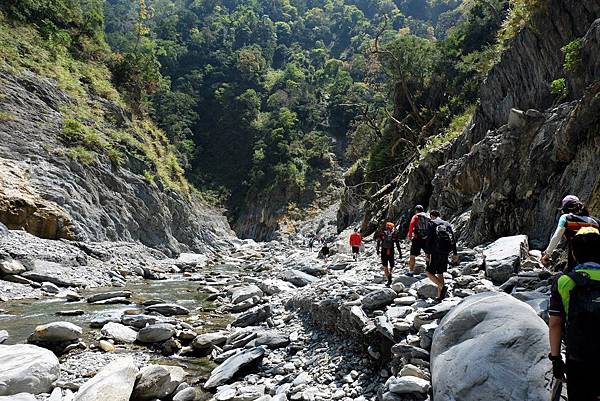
(207, 340)
(503, 257)
(101, 319)
(114, 382)
(103, 296)
(298, 278)
(27, 368)
(425, 288)
(139, 321)
(275, 286)
(496, 345)
(243, 293)
(409, 384)
(252, 317)
(187, 394)
(19, 397)
(156, 333)
(50, 288)
(384, 327)
(379, 298)
(272, 340)
(43, 270)
(168, 309)
(11, 267)
(157, 381)
(119, 332)
(228, 369)
(56, 332)
(3, 336)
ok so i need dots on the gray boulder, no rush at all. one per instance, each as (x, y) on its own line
(252, 317)
(275, 286)
(408, 385)
(496, 345)
(19, 397)
(156, 333)
(50, 288)
(228, 369)
(118, 332)
(139, 321)
(379, 298)
(114, 382)
(55, 273)
(11, 266)
(207, 340)
(272, 340)
(157, 381)
(503, 257)
(3, 336)
(298, 278)
(55, 332)
(187, 394)
(27, 368)
(243, 293)
(168, 309)
(425, 288)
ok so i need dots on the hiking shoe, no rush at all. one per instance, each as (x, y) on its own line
(409, 274)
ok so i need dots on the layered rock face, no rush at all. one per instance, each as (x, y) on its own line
(523, 151)
(54, 196)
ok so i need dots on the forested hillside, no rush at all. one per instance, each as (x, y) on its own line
(264, 99)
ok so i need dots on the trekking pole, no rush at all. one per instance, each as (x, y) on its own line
(556, 390)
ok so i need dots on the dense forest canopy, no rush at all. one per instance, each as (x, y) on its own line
(255, 94)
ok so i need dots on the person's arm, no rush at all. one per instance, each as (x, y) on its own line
(411, 226)
(378, 247)
(454, 249)
(555, 324)
(398, 246)
(555, 240)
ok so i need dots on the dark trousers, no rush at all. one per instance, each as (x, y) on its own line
(582, 381)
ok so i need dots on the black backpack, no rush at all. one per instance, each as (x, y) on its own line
(583, 323)
(444, 243)
(423, 224)
(389, 237)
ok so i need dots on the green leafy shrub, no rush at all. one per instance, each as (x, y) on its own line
(572, 54)
(82, 155)
(558, 87)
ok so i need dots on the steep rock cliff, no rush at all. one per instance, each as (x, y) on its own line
(52, 195)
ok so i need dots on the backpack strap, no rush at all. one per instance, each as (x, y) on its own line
(581, 280)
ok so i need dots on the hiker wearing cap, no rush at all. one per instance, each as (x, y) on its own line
(385, 247)
(417, 234)
(440, 243)
(574, 306)
(574, 217)
(355, 243)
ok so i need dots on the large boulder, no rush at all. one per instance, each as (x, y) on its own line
(503, 257)
(298, 278)
(157, 381)
(490, 344)
(241, 294)
(114, 382)
(253, 317)
(18, 397)
(207, 340)
(228, 369)
(425, 288)
(379, 298)
(11, 266)
(55, 332)
(156, 333)
(118, 332)
(168, 309)
(27, 368)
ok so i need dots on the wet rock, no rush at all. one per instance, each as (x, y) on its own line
(114, 382)
(298, 278)
(156, 333)
(503, 257)
(168, 309)
(207, 340)
(73, 312)
(244, 293)
(27, 368)
(108, 295)
(139, 321)
(157, 381)
(118, 332)
(12, 267)
(496, 345)
(228, 369)
(379, 298)
(101, 319)
(55, 332)
(252, 317)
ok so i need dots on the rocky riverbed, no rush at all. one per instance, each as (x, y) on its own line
(267, 321)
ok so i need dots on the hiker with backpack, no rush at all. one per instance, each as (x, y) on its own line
(386, 241)
(355, 243)
(574, 216)
(417, 234)
(574, 305)
(438, 246)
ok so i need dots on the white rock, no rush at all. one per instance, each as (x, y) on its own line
(113, 383)
(27, 368)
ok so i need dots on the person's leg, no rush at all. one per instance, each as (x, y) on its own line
(391, 270)
(440, 278)
(580, 381)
